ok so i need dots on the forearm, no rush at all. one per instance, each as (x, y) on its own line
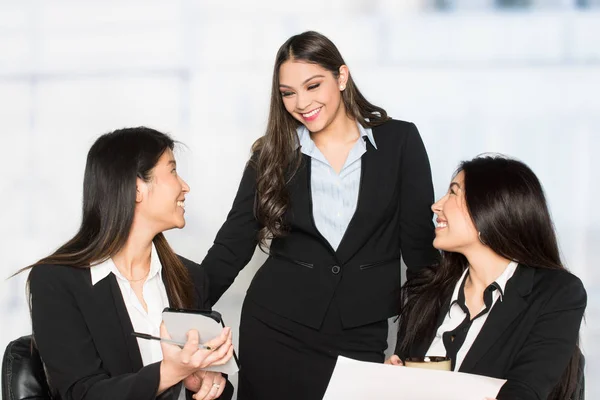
(142, 385)
(236, 241)
(416, 197)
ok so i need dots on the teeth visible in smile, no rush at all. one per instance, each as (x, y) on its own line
(181, 204)
(442, 224)
(313, 112)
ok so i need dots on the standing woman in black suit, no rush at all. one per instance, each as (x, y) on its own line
(342, 191)
(116, 275)
(500, 304)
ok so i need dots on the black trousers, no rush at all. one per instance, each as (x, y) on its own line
(284, 360)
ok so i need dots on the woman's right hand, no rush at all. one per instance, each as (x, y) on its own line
(178, 363)
(394, 360)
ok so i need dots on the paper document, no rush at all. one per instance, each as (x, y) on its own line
(364, 380)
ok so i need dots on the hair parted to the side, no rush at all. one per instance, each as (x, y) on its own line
(114, 162)
(507, 205)
(276, 156)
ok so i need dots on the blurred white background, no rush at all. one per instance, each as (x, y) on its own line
(520, 77)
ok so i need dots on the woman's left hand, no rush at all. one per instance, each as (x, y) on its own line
(207, 385)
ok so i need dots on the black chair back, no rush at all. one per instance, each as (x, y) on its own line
(23, 376)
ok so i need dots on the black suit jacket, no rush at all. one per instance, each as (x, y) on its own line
(529, 336)
(83, 334)
(303, 273)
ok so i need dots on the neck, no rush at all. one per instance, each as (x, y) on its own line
(342, 129)
(485, 266)
(133, 260)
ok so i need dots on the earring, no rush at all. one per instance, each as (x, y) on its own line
(342, 87)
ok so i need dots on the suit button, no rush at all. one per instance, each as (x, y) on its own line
(335, 269)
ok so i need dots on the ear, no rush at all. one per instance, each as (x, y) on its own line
(344, 74)
(141, 189)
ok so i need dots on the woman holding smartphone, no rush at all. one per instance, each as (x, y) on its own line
(116, 275)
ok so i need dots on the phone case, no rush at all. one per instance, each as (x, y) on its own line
(209, 325)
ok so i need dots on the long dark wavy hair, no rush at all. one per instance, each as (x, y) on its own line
(114, 162)
(507, 205)
(276, 157)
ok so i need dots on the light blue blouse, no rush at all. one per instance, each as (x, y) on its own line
(334, 196)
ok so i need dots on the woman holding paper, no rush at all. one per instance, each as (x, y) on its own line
(116, 275)
(501, 303)
(343, 191)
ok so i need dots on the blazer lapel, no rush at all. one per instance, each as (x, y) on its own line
(304, 178)
(501, 316)
(372, 192)
(126, 327)
(112, 319)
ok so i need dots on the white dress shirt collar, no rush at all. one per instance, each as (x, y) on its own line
(305, 141)
(500, 282)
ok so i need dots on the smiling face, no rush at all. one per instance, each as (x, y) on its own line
(455, 231)
(160, 203)
(312, 94)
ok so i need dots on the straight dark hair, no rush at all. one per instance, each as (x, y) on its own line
(507, 205)
(114, 162)
(276, 156)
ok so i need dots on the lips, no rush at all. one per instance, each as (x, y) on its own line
(311, 115)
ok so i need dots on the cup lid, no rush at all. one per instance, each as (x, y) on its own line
(427, 359)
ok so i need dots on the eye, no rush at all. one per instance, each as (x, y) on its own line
(286, 94)
(174, 171)
(314, 86)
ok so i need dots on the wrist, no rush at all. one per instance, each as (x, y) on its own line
(168, 377)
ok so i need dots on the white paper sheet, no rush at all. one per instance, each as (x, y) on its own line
(363, 380)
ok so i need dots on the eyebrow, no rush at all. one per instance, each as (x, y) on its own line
(309, 79)
(172, 162)
(455, 184)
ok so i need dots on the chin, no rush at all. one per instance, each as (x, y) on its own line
(176, 225)
(314, 126)
(439, 244)
(318, 125)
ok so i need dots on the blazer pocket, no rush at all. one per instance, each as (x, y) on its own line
(378, 263)
(289, 259)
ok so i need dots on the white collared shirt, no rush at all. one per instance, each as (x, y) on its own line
(334, 196)
(155, 296)
(456, 315)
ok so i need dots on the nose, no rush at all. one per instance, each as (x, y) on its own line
(185, 188)
(302, 101)
(437, 206)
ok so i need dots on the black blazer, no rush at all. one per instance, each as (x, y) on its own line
(303, 273)
(83, 334)
(529, 337)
